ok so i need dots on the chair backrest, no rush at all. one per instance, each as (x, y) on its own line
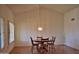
(45, 39)
(39, 38)
(53, 39)
(31, 40)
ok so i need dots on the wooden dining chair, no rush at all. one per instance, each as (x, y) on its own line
(51, 43)
(45, 39)
(45, 42)
(39, 38)
(34, 44)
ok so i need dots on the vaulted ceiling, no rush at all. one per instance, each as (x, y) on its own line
(62, 8)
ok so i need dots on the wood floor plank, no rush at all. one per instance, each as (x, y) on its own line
(60, 49)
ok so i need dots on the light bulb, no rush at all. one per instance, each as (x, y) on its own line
(40, 28)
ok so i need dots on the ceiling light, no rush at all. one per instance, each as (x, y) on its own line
(40, 28)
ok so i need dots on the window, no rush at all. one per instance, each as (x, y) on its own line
(11, 32)
(1, 33)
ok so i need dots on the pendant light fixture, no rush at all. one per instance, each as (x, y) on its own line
(39, 27)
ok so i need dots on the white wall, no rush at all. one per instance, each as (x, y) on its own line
(71, 28)
(26, 25)
(7, 15)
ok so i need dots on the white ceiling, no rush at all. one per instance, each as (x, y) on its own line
(61, 7)
(18, 8)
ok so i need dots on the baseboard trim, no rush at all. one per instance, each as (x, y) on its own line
(72, 48)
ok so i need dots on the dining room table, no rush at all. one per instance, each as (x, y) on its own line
(42, 47)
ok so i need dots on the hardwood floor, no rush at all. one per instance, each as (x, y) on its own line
(60, 49)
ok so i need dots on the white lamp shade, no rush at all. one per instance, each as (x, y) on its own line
(40, 28)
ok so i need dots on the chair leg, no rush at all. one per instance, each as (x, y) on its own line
(53, 47)
(37, 49)
(32, 49)
(49, 48)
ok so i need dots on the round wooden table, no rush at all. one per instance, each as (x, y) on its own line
(42, 48)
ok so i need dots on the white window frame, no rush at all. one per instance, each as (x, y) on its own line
(11, 32)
